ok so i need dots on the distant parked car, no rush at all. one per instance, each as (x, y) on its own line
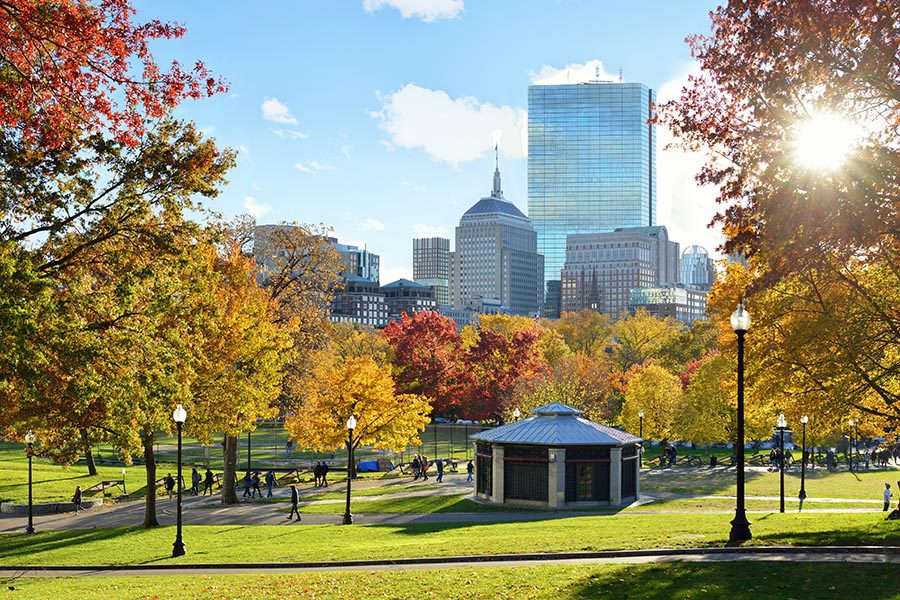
(440, 420)
(464, 422)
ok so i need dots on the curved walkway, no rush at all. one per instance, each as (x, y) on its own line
(861, 554)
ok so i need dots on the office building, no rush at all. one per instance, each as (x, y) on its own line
(697, 269)
(496, 256)
(680, 302)
(405, 296)
(431, 266)
(601, 269)
(361, 301)
(591, 163)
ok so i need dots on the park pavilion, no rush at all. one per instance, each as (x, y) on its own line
(557, 459)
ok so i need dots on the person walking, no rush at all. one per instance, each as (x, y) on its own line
(416, 466)
(887, 496)
(470, 469)
(169, 482)
(208, 482)
(295, 498)
(440, 470)
(424, 466)
(195, 481)
(270, 481)
(324, 474)
(248, 484)
(256, 488)
(317, 472)
(76, 499)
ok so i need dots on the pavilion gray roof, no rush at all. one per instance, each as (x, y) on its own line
(556, 424)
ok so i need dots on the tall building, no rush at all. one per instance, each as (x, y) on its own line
(697, 269)
(361, 263)
(591, 162)
(680, 302)
(361, 301)
(431, 266)
(601, 269)
(496, 256)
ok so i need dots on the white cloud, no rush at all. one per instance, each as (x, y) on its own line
(684, 207)
(290, 134)
(273, 110)
(427, 10)
(371, 224)
(389, 274)
(448, 129)
(255, 208)
(242, 149)
(421, 230)
(592, 70)
(313, 167)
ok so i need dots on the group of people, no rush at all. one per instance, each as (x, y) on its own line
(775, 458)
(252, 481)
(420, 466)
(671, 455)
(320, 474)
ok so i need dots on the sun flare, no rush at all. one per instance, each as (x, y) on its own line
(824, 140)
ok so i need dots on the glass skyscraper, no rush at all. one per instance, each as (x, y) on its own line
(591, 162)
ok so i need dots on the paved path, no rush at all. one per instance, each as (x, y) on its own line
(756, 554)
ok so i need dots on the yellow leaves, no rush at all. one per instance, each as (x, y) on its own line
(656, 392)
(356, 386)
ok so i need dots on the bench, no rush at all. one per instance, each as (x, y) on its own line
(105, 485)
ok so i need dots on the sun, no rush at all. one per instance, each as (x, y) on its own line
(823, 140)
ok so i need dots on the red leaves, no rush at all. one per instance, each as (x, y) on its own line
(78, 65)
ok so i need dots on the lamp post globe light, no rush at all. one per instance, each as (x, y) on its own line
(781, 425)
(29, 451)
(179, 415)
(641, 434)
(516, 414)
(351, 425)
(740, 526)
(804, 420)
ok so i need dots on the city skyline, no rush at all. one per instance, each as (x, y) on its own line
(400, 149)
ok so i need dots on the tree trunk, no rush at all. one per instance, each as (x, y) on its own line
(229, 455)
(88, 455)
(150, 497)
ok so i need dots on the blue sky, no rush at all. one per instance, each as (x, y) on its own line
(378, 117)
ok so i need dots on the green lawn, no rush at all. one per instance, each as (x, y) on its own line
(819, 483)
(678, 581)
(55, 483)
(277, 543)
(412, 504)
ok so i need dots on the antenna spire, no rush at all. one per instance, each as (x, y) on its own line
(497, 192)
(620, 74)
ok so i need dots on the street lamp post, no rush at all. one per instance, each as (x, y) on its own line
(29, 451)
(351, 425)
(804, 419)
(740, 526)
(850, 445)
(248, 450)
(124, 487)
(178, 415)
(641, 434)
(781, 425)
(856, 426)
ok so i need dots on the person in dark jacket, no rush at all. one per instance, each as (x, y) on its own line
(76, 498)
(195, 481)
(270, 481)
(440, 470)
(416, 465)
(169, 483)
(317, 473)
(208, 482)
(256, 488)
(248, 484)
(470, 469)
(324, 474)
(294, 499)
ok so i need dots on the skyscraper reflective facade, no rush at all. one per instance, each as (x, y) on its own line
(591, 162)
(697, 269)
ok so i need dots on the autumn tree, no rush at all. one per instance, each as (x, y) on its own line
(360, 387)
(585, 331)
(707, 412)
(426, 351)
(76, 66)
(657, 392)
(642, 337)
(799, 102)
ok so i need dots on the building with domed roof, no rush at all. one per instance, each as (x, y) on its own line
(496, 256)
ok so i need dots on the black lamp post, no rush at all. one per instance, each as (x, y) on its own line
(781, 425)
(641, 434)
(850, 446)
(178, 415)
(740, 526)
(351, 425)
(248, 450)
(29, 451)
(856, 426)
(804, 419)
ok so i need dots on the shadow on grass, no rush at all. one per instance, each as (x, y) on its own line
(737, 580)
(18, 545)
